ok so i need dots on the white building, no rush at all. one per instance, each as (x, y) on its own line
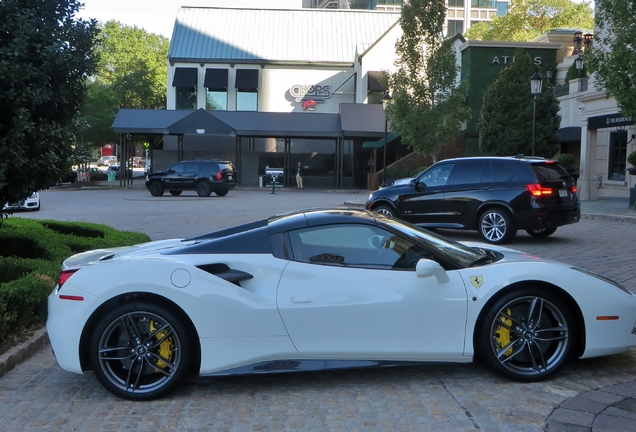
(274, 87)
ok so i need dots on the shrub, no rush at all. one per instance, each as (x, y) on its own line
(631, 158)
(415, 172)
(566, 159)
(32, 252)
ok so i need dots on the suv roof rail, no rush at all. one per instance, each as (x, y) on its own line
(522, 156)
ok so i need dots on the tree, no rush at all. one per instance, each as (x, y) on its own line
(613, 57)
(133, 63)
(45, 56)
(428, 105)
(131, 73)
(506, 117)
(528, 19)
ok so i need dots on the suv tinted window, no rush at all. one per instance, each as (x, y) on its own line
(436, 176)
(503, 171)
(226, 166)
(549, 172)
(468, 172)
(208, 168)
(178, 168)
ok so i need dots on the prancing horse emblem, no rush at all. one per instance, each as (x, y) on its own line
(476, 281)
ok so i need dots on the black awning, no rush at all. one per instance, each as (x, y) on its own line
(185, 77)
(570, 133)
(246, 79)
(373, 82)
(215, 79)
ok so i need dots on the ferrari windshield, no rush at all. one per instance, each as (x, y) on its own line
(454, 253)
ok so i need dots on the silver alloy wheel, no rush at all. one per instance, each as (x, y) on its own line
(529, 336)
(385, 211)
(494, 226)
(139, 352)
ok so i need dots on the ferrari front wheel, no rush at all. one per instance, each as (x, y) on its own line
(140, 351)
(527, 335)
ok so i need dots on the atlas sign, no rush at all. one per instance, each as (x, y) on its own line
(310, 95)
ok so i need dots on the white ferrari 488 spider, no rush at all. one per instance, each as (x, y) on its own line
(321, 289)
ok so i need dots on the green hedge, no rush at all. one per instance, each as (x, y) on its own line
(31, 253)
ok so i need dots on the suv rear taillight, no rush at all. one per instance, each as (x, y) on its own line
(574, 189)
(219, 176)
(538, 190)
(64, 275)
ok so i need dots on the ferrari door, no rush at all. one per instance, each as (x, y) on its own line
(352, 291)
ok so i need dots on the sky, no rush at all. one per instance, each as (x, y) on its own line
(158, 16)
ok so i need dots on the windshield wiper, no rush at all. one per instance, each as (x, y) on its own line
(487, 257)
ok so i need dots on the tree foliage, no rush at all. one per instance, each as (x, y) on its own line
(427, 104)
(131, 73)
(506, 118)
(45, 56)
(613, 56)
(528, 19)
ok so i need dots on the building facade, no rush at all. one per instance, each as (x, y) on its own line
(303, 61)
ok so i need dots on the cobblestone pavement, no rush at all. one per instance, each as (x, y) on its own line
(594, 394)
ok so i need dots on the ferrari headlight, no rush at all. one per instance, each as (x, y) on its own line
(603, 278)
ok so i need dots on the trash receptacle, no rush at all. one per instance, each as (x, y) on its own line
(111, 176)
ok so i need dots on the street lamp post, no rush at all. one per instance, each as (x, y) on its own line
(536, 82)
(578, 62)
(385, 102)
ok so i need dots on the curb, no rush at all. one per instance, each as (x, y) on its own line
(20, 353)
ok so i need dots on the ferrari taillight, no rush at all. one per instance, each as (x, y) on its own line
(538, 190)
(64, 275)
(219, 176)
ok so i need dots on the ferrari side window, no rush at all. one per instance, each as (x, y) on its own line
(350, 245)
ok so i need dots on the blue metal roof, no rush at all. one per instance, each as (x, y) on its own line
(292, 36)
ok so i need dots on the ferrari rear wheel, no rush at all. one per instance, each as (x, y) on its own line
(140, 351)
(527, 335)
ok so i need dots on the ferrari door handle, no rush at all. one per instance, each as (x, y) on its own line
(300, 300)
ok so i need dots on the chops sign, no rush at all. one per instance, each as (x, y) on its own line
(310, 95)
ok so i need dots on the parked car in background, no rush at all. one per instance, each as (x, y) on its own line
(147, 167)
(30, 203)
(202, 176)
(68, 177)
(494, 195)
(108, 161)
(136, 162)
(402, 181)
(95, 174)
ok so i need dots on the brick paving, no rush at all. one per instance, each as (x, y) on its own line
(595, 394)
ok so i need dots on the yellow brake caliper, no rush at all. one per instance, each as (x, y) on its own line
(502, 334)
(166, 348)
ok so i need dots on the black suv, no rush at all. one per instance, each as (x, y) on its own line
(203, 176)
(494, 195)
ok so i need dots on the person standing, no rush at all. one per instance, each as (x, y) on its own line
(299, 176)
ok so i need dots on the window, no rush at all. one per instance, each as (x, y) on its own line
(216, 89)
(454, 27)
(437, 176)
(185, 83)
(355, 245)
(246, 89)
(455, 3)
(617, 156)
(246, 101)
(468, 173)
(483, 3)
(502, 8)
